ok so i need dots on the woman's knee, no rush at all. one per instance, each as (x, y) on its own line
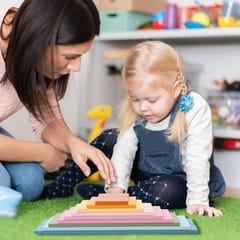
(29, 180)
(31, 187)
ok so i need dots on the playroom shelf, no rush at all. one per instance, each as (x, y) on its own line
(227, 133)
(208, 54)
(213, 52)
(177, 34)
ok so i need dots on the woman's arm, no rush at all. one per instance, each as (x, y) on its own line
(59, 135)
(54, 130)
(13, 150)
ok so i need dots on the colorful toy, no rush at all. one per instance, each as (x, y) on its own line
(116, 214)
(225, 22)
(227, 86)
(158, 20)
(202, 18)
(101, 113)
(199, 19)
(9, 200)
(225, 105)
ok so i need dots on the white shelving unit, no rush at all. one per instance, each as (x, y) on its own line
(175, 34)
(208, 54)
(227, 133)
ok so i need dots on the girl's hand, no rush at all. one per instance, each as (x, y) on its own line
(203, 210)
(82, 152)
(114, 190)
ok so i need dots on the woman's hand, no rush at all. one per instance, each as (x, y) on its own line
(82, 152)
(203, 210)
(51, 159)
(59, 135)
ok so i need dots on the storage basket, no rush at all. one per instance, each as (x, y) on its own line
(117, 21)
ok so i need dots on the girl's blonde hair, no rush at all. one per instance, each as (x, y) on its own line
(161, 62)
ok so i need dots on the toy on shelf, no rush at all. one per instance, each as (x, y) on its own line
(9, 201)
(116, 214)
(227, 143)
(227, 86)
(225, 104)
(101, 113)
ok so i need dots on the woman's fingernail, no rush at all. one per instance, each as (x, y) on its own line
(104, 176)
(107, 180)
(86, 173)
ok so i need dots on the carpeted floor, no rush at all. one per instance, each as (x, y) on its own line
(30, 215)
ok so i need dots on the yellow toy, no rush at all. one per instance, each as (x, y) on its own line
(101, 113)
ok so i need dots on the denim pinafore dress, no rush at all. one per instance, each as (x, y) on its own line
(158, 156)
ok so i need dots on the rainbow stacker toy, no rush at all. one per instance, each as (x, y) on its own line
(116, 214)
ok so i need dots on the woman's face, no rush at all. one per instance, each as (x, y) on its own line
(66, 58)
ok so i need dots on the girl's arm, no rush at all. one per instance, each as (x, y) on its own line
(122, 159)
(196, 152)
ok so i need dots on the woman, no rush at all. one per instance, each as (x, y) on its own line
(41, 43)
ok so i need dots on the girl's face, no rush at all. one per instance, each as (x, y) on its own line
(153, 104)
(66, 58)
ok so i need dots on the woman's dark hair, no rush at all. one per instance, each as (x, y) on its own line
(38, 25)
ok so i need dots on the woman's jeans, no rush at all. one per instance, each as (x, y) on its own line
(25, 177)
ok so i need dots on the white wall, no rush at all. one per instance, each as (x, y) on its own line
(14, 2)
